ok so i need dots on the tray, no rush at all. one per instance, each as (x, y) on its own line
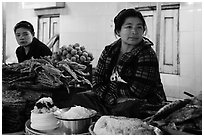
(31, 131)
(57, 131)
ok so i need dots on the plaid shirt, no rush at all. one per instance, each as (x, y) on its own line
(139, 68)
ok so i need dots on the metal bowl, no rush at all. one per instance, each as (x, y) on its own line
(75, 126)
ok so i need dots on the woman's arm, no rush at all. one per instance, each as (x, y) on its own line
(102, 86)
(146, 76)
(99, 77)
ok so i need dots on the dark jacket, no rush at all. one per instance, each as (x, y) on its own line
(37, 50)
(139, 68)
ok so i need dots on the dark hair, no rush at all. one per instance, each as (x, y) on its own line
(125, 13)
(24, 24)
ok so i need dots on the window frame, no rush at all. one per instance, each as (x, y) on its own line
(159, 13)
(50, 34)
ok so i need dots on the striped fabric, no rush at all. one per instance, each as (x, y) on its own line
(139, 68)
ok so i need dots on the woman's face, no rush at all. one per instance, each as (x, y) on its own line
(23, 36)
(132, 31)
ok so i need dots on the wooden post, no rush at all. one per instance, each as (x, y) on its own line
(158, 28)
(4, 33)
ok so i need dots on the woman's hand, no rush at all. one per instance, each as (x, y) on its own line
(110, 100)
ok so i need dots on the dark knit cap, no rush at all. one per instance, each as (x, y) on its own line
(24, 24)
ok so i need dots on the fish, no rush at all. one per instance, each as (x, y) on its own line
(169, 108)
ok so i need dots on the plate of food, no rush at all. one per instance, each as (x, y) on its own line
(119, 125)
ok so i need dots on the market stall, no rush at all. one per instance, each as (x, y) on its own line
(67, 72)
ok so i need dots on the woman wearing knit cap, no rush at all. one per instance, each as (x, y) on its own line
(29, 45)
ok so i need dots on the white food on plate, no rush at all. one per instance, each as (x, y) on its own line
(77, 112)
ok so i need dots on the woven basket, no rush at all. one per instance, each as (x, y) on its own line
(13, 118)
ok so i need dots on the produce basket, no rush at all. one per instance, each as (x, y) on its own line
(13, 118)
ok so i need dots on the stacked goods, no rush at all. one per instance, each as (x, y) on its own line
(74, 72)
(75, 53)
(33, 73)
(43, 74)
(13, 73)
(181, 115)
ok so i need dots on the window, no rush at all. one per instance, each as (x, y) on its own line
(169, 53)
(48, 28)
(164, 34)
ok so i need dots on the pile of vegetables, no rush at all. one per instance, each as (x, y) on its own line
(75, 53)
